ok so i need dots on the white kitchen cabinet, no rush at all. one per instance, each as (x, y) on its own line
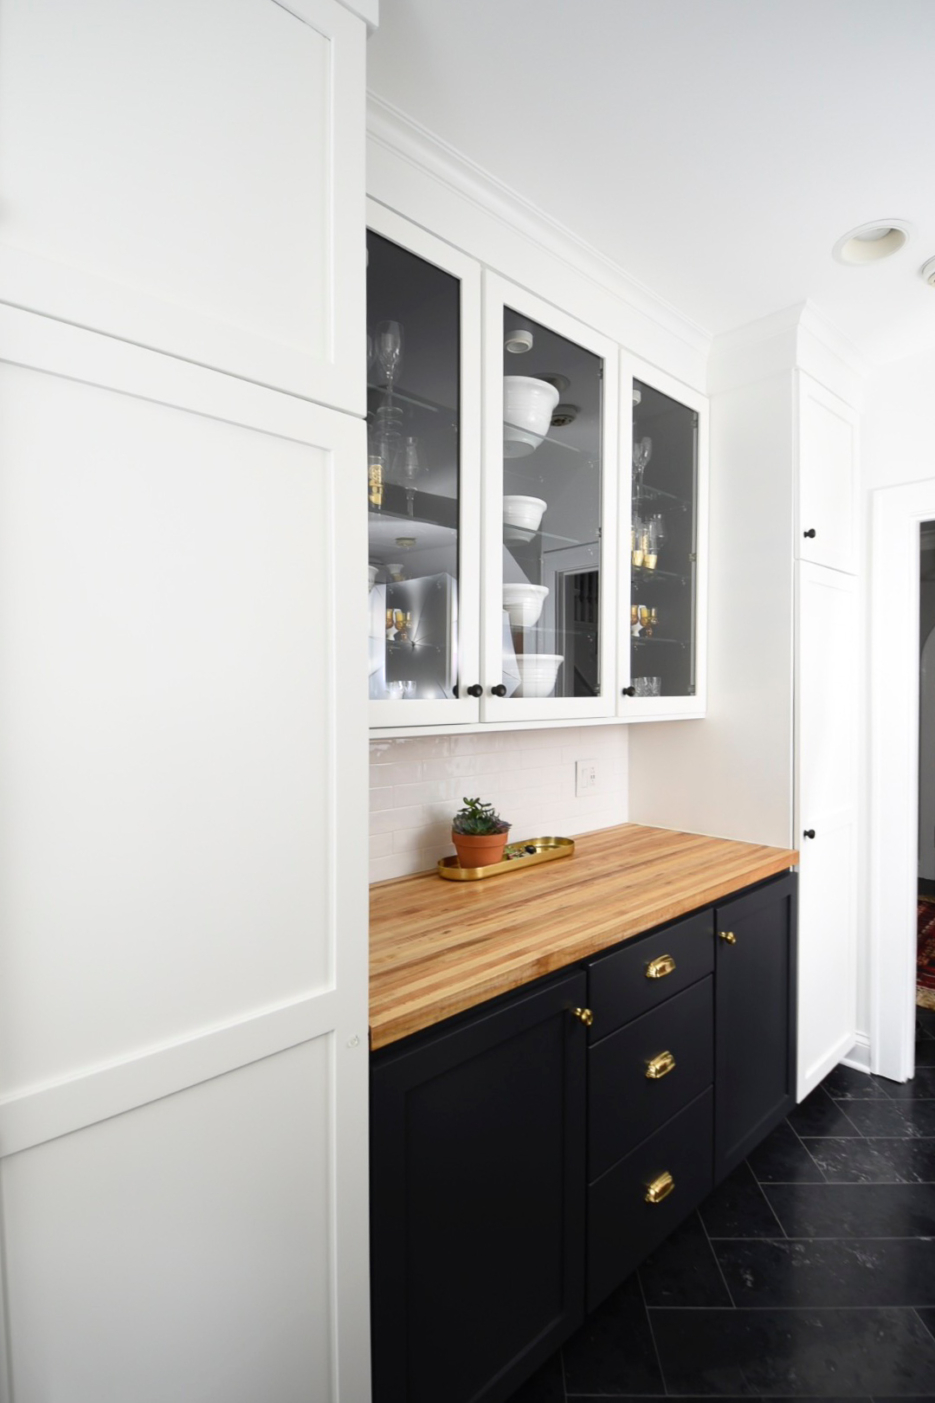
(204, 194)
(663, 519)
(827, 477)
(826, 814)
(500, 560)
(550, 448)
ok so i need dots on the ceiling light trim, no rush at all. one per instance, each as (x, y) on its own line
(872, 243)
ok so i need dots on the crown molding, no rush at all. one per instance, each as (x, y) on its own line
(799, 337)
(400, 134)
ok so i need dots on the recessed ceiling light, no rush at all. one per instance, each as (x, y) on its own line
(871, 243)
(927, 271)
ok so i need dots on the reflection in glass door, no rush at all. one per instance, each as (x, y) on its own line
(663, 528)
(413, 477)
(552, 502)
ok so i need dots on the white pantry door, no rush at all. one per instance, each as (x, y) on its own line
(826, 718)
(183, 789)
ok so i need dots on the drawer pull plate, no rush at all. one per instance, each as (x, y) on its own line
(660, 967)
(584, 1015)
(660, 1066)
(660, 1188)
(729, 937)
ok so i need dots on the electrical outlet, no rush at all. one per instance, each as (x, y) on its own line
(585, 777)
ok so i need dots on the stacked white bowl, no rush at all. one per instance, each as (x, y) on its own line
(528, 406)
(537, 673)
(524, 603)
(521, 515)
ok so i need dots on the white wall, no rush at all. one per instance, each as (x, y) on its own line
(417, 785)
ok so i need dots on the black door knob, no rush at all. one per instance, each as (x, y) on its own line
(628, 691)
(499, 690)
(475, 691)
(809, 534)
(809, 833)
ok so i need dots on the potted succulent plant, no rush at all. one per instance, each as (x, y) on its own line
(479, 834)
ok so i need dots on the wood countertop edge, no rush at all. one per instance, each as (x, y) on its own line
(439, 969)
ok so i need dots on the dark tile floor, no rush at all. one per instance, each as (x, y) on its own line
(809, 1273)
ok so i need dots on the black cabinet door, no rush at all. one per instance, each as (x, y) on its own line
(478, 1198)
(754, 1018)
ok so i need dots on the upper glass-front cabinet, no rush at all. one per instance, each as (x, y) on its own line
(549, 512)
(423, 411)
(665, 660)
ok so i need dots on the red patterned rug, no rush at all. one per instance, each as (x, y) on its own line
(925, 957)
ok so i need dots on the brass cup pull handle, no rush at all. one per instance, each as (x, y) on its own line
(660, 1066)
(584, 1015)
(659, 968)
(660, 1188)
(728, 937)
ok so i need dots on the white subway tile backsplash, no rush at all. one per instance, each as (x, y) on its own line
(418, 783)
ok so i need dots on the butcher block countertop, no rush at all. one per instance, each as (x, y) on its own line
(438, 948)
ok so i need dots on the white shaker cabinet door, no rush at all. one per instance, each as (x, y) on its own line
(826, 712)
(827, 529)
(190, 177)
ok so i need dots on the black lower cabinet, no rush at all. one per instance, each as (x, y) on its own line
(754, 1018)
(478, 1199)
(522, 1167)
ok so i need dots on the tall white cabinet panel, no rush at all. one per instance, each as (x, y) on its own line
(826, 721)
(827, 477)
(180, 728)
(189, 177)
(173, 1251)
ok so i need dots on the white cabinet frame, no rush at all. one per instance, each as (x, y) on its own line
(401, 715)
(661, 708)
(499, 293)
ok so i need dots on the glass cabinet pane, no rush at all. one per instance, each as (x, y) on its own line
(552, 462)
(413, 477)
(662, 545)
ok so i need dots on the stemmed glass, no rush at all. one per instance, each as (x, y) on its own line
(642, 452)
(410, 471)
(388, 345)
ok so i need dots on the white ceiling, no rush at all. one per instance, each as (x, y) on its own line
(715, 149)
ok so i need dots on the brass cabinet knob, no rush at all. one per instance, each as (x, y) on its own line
(660, 1188)
(659, 968)
(728, 937)
(584, 1015)
(660, 1066)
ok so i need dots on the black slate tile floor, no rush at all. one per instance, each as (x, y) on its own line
(808, 1274)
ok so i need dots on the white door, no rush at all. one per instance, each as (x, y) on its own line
(827, 529)
(183, 983)
(826, 702)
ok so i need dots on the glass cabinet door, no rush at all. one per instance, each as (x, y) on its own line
(422, 571)
(663, 554)
(551, 472)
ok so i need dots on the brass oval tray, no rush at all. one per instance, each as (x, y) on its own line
(544, 850)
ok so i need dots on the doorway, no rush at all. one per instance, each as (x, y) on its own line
(901, 518)
(925, 932)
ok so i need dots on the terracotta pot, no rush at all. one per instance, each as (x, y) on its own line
(479, 849)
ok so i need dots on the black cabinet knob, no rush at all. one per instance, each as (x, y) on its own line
(475, 691)
(499, 690)
(809, 833)
(809, 534)
(628, 691)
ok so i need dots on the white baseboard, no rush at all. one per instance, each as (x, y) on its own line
(859, 1055)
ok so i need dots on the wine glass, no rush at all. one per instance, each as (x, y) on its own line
(410, 470)
(388, 345)
(642, 452)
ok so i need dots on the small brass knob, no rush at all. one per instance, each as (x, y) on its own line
(584, 1015)
(659, 968)
(660, 1066)
(728, 937)
(660, 1188)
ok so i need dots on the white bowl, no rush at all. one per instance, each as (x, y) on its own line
(528, 406)
(524, 603)
(522, 514)
(537, 673)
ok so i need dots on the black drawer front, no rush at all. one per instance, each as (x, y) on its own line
(622, 1226)
(621, 986)
(624, 1104)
